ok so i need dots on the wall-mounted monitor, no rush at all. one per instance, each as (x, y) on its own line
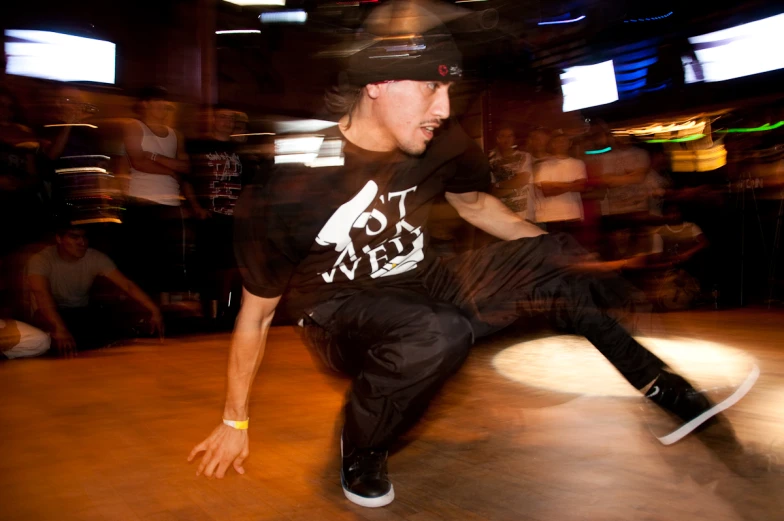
(57, 56)
(588, 86)
(743, 50)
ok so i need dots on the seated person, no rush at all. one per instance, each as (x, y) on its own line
(667, 247)
(20, 340)
(60, 278)
(678, 240)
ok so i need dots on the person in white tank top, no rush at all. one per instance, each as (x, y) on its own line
(156, 249)
(156, 152)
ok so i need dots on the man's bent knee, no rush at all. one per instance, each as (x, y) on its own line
(455, 335)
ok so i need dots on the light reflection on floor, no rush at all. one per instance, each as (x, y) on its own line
(570, 364)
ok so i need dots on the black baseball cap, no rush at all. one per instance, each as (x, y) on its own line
(425, 57)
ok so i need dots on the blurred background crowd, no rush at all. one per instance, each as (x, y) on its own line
(652, 133)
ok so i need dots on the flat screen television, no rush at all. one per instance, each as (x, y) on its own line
(57, 56)
(743, 50)
(588, 86)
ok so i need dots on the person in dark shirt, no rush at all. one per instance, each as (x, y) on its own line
(21, 192)
(345, 235)
(216, 165)
(216, 177)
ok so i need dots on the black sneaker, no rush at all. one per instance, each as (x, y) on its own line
(694, 408)
(364, 476)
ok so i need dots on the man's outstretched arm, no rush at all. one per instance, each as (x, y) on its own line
(492, 216)
(136, 293)
(226, 445)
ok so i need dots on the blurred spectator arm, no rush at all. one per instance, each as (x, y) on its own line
(136, 293)
(179, 164)
(492, 216)
(550, 189)
(511, 184)
(141, 160)
(190, 194)
(520, 180)
(631, 169)
(46, 306)
(700, 243)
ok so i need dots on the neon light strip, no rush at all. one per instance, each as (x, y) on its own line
(239, 31)
(596, 152)
(651, 19)
(556, 22)
(763, 128)
(254, 134)
(694, 137)
(70, 125)
(82, 170)
(257, 2)
(88, 156)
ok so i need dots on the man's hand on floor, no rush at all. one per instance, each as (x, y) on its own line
(225, 446)
(64, 342)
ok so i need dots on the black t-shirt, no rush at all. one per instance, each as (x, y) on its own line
(327, 231)
(216, 174)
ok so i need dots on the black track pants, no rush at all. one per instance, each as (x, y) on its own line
(401, 344)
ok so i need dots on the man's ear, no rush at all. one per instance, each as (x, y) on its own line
(373, 90)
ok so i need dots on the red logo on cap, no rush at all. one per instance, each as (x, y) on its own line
(443, 70)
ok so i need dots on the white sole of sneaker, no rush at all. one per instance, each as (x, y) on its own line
(369, 502)
(731, 400)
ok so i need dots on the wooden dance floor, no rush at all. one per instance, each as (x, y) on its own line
(105, 436)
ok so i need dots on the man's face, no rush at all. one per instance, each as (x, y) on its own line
(505, 139)
(537, 142)
(158, 110)
(410, 111)
(560, 145)
(223, 122)
(73, 243)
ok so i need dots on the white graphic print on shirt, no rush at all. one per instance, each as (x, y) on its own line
(406, 245)
(225, 186)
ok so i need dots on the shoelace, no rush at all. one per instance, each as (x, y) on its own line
(370, 462)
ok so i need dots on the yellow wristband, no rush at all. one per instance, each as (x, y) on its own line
(241, 425)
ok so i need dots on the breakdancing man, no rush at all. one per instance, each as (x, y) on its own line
(348, 244)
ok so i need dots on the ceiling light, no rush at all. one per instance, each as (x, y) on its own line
(257, 2)
(239, 31)
(763, 128)
(292, 17)
(558, 22)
